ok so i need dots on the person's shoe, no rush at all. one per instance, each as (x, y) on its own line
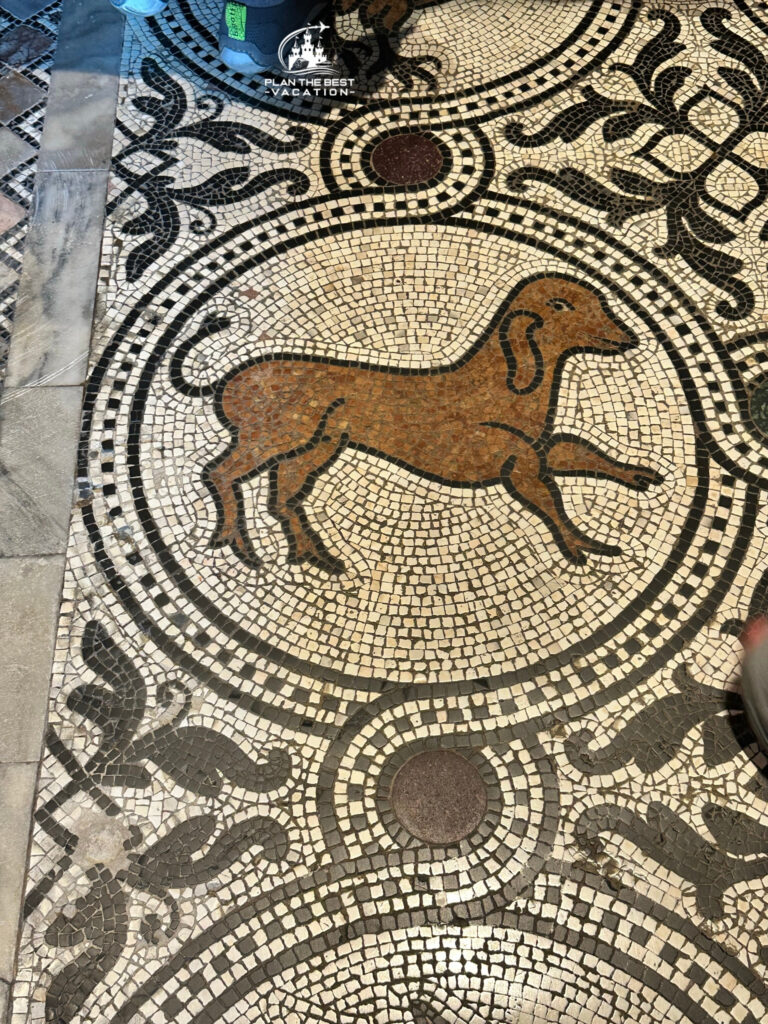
(250, 34)
(140, 8)
(754, 677)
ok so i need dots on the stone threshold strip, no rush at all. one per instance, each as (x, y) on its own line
(40, 414)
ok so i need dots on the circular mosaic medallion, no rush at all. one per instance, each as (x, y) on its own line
(400, 562)
(418, 155)
(589, 943)
(447, 816)
(439, 797)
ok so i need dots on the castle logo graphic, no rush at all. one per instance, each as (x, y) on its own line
(307, 65)
(304, 53)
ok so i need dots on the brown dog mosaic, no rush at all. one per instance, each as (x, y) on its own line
(485, 419)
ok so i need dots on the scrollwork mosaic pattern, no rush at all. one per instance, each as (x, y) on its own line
(704, 151)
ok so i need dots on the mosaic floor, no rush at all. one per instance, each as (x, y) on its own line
(421, 503)
(27, 43)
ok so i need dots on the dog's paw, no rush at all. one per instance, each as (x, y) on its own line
(248, 558)
(220, 539)
(409, 70)
(242, 548)
(308, 549)
(596, 547)
(643, 478)
(579, 547)
(328, 563)
(239, 546)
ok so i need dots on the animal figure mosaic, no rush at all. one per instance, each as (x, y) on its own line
(483, 420)
(386, 18)
(387, 15)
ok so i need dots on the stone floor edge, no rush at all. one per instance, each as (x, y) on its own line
(63, 249)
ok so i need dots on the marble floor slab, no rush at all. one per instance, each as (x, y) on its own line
(27, 41)
(17, 94)
(38, 441)
(54, 308)
(17, 788)
(23, 9)
(30, 588)
(420, 503)
(22, 45)
(83, 89)
(13, 151)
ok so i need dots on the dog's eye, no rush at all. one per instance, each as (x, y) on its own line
(560, 305)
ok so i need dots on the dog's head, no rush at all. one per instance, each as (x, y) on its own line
(546, 319)
(569, 315)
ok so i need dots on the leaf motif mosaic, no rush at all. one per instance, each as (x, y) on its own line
(695, 167)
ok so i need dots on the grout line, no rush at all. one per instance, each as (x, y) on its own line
(36, 557)
(63, 171)
(14, 764)
(18, 390)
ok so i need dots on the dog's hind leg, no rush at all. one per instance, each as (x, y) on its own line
(525, 475)
(573, 456)
(223, 477)
(290, 482)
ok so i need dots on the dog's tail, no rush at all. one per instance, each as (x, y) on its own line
(211, 325)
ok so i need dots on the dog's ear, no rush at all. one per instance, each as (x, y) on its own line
(525, 363)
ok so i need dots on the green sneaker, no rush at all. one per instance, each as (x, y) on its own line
(250, 34)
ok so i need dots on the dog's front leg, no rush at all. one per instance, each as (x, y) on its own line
(525, 475)
(569, 455)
